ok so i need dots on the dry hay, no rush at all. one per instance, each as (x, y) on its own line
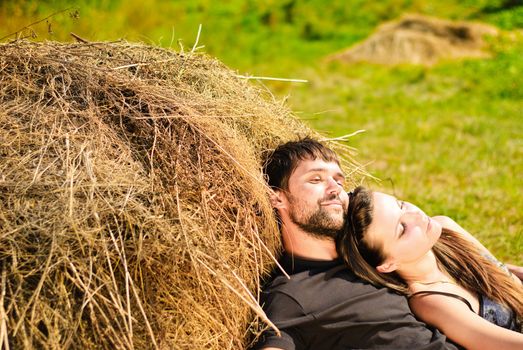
(132, 209)
(419, 39)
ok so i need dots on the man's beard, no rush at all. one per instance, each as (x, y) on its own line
(319, 223)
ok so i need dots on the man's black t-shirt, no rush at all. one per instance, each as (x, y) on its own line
(325, 306)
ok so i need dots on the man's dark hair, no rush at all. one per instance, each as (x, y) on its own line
(280, 164)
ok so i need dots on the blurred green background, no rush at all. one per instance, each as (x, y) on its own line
(447, 137)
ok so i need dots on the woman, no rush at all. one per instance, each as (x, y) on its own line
(451, 280)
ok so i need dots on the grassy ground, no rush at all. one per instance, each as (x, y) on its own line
(449, 138)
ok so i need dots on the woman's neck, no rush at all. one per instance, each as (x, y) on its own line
(425, 270)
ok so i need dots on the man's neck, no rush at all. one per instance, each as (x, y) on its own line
(304, 245)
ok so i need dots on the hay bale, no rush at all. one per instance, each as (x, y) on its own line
(420, 39)
(132, 209)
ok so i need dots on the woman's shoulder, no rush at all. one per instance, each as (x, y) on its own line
(442, 295)
(423, 304)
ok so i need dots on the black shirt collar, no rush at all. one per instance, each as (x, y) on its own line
(294, 264)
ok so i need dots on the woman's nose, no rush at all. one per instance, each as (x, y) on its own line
(414, 214)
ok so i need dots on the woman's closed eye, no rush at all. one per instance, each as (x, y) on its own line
(403, 228)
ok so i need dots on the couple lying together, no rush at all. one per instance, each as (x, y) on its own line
(364, 270)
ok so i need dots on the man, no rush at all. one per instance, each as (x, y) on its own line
(324, 305)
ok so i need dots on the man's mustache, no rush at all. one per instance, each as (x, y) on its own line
(330, 197)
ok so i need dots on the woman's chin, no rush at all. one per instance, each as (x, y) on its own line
(434, 228)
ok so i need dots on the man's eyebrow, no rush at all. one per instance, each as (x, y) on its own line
(323, 170)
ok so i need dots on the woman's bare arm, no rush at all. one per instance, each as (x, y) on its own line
(446, 222)
(516, 270)
(456, 321)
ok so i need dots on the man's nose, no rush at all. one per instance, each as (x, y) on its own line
(333, 186)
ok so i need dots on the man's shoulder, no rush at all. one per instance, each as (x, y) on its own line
(294, 281)
(302, 286)
(307, 289)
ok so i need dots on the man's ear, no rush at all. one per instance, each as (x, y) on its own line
(277, 198)
(387, 267)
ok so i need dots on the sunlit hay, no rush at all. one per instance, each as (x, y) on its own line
(132, 210)
(422, 40)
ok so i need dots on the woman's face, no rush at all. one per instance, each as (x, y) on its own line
(402, 230)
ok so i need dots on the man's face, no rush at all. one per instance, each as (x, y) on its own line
(315, 200)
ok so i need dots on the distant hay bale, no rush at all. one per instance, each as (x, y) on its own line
(422, 40)
(133, 214)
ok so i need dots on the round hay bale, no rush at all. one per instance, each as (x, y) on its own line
(422, 40)
(133, 214)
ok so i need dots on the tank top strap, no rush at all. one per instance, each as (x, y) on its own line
(452, 295)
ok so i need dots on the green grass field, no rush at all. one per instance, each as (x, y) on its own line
(449, 137)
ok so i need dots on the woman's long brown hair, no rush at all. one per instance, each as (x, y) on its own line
(459, 257)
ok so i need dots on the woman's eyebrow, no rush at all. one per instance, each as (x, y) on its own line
(398, 202)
